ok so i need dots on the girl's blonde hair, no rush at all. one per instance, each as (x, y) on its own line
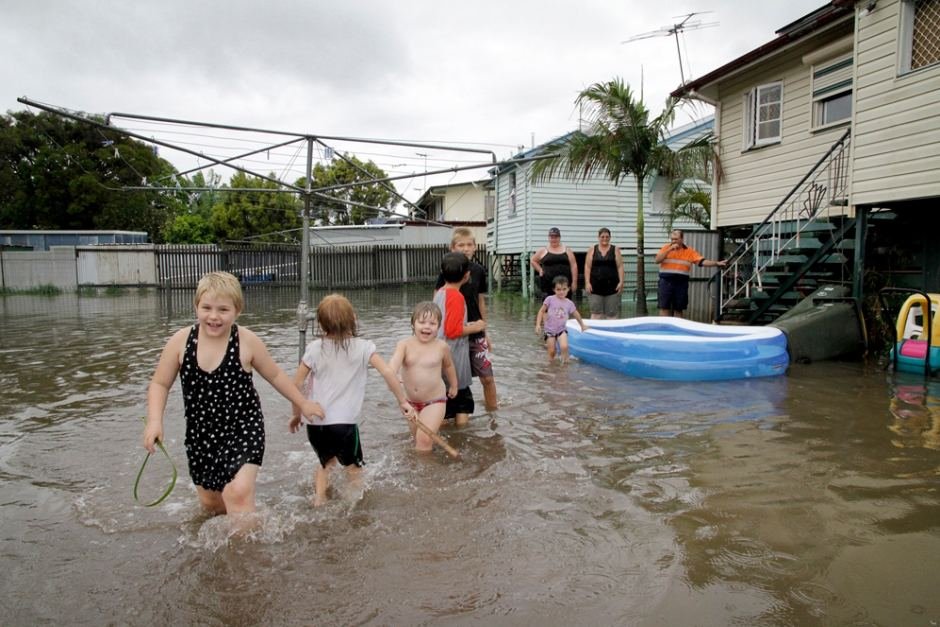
(221, 284)
(337, 318)
(424, 309)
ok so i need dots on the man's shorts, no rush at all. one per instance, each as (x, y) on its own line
(340, 441)
(673, 292)
(480, 365)
(460, 404)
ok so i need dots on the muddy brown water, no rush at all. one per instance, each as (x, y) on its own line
(587, 498)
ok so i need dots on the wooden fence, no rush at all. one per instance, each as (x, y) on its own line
(180, 266)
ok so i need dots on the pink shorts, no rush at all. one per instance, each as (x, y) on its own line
(480, 365)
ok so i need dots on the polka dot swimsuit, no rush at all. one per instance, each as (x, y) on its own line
(224, 424)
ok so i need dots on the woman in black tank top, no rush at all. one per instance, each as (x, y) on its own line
(603, 277)
(553, 260)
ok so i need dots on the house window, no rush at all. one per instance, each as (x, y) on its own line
(920, 34)
(763, 115)
(512, 194)
(832, 91)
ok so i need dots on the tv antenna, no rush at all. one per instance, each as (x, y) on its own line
(685, 23)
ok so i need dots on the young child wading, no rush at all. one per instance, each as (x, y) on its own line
(224, 425)
(555, 312)
(333, 370)
(421, 359)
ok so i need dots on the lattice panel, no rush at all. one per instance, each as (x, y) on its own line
(925, 46)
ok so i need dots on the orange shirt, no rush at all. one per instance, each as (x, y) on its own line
(679, 261)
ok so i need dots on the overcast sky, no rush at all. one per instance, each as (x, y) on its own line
(489, 74)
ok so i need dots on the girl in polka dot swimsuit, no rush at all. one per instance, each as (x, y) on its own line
(224, 424)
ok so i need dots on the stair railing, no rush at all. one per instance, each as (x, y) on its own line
(824, 187)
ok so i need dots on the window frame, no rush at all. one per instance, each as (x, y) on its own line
(752, 121)
(824, 92)
(906, 38)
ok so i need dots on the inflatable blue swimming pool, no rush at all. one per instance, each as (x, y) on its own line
(680, 350)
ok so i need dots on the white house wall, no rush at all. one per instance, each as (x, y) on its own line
(578, 209)
(755, 181)
(464, 203)
(896, 144)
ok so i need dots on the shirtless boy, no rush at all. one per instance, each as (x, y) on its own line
(421, 359)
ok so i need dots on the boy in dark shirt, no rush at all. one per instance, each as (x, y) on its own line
(463, 241)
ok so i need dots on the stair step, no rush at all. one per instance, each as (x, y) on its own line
(788, 260)
(816, 226)
(834, 258)
(805, 243)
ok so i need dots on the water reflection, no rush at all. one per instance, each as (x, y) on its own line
(915, 406)
(808, 499)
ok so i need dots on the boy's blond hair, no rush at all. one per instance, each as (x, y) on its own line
(461, 232)
(221, 284)
(426, 309)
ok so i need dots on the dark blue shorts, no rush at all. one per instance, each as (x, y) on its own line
(340, 441)
(673, 292)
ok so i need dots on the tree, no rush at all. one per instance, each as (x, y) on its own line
(689, 201)
(253, 206)
(622, 140)
(690, 197)
(57, 173)
(344, 171)
(193, 223)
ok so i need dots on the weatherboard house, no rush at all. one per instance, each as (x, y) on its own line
(828, 137)
(468, 204)
(525, 210)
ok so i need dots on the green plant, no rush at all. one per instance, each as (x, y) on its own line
(40, 290)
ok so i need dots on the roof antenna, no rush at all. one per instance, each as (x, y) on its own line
(685, 23)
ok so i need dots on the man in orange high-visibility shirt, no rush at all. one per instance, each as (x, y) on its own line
(675, 261)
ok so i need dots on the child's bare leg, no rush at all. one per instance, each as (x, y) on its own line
(354, 476)
(239, 493)
(550, 347)
(431, 417)
(461, 420)
(489, 393)
(563, 346)
(321, 481)
(211, 501)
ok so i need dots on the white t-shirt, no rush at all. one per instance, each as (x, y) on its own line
(338, 378)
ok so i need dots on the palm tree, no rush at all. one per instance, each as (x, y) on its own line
(690, 200)
(621, 140)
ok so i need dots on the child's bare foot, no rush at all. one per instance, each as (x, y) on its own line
(319, 501)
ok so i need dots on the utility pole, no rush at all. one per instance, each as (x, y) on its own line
(302, 309)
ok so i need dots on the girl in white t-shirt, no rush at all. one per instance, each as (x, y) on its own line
(333, 373)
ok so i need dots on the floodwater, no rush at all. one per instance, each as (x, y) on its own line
(587, 498)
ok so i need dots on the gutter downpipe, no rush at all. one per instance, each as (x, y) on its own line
(716, 126)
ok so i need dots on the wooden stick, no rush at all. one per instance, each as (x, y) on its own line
(438, 440)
